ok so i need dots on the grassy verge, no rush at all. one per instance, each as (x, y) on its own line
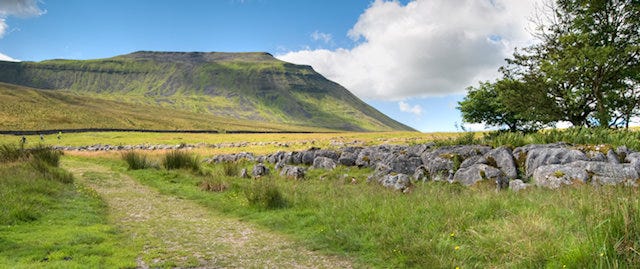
(46, 221)
(436, 225)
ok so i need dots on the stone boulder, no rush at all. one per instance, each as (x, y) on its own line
(440, 162)
(401, 163)
(633, 158)
(327, 154)
(544, 156)
(323, 163)
(421, 174)
(553, 176)
(293, 172)
(478, 172)
(348, 158)
(613, 157)
(244, 173)
(596, 173)
(518, 185)
(259, 170)
(502, 158)
(399, 182)
(308, 156)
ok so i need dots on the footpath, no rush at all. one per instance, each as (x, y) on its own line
(172, 232)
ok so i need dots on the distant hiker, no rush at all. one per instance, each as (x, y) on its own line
(23, 140)
(41, 137)
(59, 135)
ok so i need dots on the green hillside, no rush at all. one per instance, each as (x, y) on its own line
(238, 86)
(25, 108)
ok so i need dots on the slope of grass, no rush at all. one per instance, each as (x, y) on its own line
(48, 222)
(30, 109)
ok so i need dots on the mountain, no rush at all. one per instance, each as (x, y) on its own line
(24, 108)
(252, 87)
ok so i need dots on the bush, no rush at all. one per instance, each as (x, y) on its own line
(265, 194)
(181, 160)
(136, 161)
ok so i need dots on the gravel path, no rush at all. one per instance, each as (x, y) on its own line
(172, 232)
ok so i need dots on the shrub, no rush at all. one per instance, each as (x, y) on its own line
(265, 194)
(181, 160)
(135, 160)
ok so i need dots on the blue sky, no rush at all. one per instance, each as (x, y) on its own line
(410, 59)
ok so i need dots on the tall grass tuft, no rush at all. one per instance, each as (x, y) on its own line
(231, 169)
(614, 234)
(50, 172)
(46, 154)
(181, 160)
(135, 160)
(265, 194)
(11, 153)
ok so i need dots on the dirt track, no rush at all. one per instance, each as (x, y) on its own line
(172, 232)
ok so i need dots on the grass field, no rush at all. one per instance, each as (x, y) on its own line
(46, 221)
(262, 143)
(436, 225)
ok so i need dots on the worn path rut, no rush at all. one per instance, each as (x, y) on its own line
(172, 232)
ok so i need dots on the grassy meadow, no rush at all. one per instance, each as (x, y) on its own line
(48, 221)
(436, 225)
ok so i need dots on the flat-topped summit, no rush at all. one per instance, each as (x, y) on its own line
(173, 56)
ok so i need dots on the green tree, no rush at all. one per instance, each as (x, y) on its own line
(584, 69)
(483, 104)
(589, 57)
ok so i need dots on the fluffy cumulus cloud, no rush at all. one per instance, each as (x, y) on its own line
(405, 107)
(424, 48)
(18, 8)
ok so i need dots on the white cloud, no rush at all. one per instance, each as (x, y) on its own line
(3, 27)
(405, 107)
(474, 127)
(424, 48)
(563, 124)
(7, 58)
(19, 8)
(320, 36)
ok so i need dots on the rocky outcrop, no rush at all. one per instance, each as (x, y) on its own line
(597, 173)
(544, 156)
(396, 166)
